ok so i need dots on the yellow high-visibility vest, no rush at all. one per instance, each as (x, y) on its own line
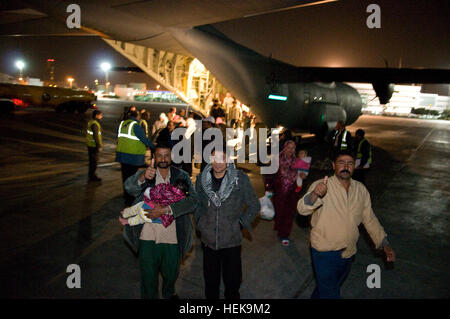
(359, 155)
(128, 142)
(90, 141)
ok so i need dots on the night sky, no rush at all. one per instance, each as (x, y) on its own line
(333, 34)
(76, 56)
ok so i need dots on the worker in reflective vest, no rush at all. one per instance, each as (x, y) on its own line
(131, 148)
(145, 118)
(94, 143)
(341, 139)
(363, 157)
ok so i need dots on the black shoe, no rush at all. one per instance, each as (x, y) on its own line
(174, 297)
(95, 179)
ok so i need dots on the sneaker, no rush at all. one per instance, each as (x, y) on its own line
(285, 242)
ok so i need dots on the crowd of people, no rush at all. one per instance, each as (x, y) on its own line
(160, 199)
(231, 113)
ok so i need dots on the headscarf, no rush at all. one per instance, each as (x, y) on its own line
(230, 180)
(287, 172)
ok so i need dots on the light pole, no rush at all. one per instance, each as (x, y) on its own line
(105, 67)
(70, 79)
(20, 65)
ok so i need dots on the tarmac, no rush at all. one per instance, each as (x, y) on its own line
(51, 217)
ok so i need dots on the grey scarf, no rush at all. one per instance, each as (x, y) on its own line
(230, 179)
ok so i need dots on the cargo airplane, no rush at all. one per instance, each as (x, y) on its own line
(307, 98)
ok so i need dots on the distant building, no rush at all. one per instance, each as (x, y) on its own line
(138, 86)
(35, 81)
(123, 92)
(6, 78)
(404, 99)
(51, 71)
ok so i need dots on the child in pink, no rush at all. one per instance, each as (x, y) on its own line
(162, 194)
(302, 164)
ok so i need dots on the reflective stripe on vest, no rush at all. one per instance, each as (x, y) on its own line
(128, 142)
(359, 154)
(143, 121)
(344, 141)
(146, 126)
(90, 141)
(127, 135)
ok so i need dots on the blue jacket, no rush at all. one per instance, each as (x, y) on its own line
(133, 159)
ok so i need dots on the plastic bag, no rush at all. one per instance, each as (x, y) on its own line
(267, 211)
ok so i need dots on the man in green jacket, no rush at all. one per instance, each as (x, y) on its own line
(160, 249)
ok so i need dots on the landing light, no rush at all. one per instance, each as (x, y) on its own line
(277, 97)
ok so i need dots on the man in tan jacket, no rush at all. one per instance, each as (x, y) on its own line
(339, 205)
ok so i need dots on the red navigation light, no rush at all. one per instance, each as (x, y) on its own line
(19, 103)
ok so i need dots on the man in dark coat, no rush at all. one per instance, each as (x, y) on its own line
(223, 192)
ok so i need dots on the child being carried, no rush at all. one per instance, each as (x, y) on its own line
(163, 195)
(302, 164)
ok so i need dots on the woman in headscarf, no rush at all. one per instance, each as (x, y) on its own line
(285, 198)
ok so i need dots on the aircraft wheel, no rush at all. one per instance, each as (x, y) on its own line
(82, 108)
(70, 108)
(6, 107)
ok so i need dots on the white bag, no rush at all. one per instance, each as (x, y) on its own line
(267, 211)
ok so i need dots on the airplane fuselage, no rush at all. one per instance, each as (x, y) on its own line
(252, 79)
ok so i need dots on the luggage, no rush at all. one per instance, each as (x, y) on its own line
(267, 210)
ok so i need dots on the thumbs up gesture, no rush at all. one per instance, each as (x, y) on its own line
(150, 172)
(321, 188)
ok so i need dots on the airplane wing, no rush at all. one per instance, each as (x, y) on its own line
(139, 22)
(367, 75)
(146, 23)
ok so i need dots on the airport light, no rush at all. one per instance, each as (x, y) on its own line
(105, 66)
(70, 79)
(20, 65)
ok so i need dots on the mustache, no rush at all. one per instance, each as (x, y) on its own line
(344, 171)
(163, 163)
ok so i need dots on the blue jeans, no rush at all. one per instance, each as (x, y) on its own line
(331, 270)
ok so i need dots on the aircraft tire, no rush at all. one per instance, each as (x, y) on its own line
(6, 107)
(82, 108)
(70, 108)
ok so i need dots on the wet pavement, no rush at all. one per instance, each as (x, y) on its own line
(51, 217)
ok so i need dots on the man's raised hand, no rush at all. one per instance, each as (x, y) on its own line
(150, 172)
(321, 188)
